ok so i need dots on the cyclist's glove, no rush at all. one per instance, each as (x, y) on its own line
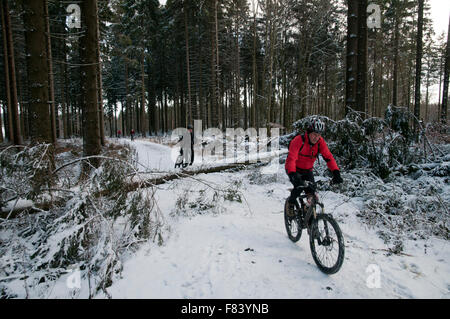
(337, 179)
(296, 179)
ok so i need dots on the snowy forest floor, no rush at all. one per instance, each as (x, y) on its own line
(243, 252)
(232, 243)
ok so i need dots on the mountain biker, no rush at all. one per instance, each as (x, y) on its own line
(187, 147)
(303, 152)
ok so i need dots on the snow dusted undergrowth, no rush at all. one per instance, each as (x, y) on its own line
(224, 237)
(244, 252)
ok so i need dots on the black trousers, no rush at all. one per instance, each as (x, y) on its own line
(306, 175)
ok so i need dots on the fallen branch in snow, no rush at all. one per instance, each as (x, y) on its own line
(135, 185)
(390, 250)
(167, 178)
(87, 158)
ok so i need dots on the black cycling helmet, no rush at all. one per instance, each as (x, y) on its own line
(316, 126)
(189, 127)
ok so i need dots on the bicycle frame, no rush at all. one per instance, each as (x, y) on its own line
(312, 212)
(311, 215)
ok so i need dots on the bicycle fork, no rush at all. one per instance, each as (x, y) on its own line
(310, 218)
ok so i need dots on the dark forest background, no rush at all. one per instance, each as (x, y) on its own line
(135, 64)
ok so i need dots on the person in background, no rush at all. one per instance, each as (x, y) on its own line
(187, 147)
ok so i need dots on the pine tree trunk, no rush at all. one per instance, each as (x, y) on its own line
(352, 56)
(441, 69)
(64, 97)
(101, 115)
(264, 73)
(127, 127)
(446, 79)
(254, 122)
(51, 86)
(271, 52)
(284, 85)
(151, 102)
(326, 93)
(396, 40)
(361, 103)
(245, 104)
(238, 81)
(374, 76)
(135, 115)
(427, 98)
(181, 94)
(1, 128)
(418, 63)
(162, 120)
(186, 36)
(143, 128)
(409, 86)
(214, 114)
(219, 83)
(166, 113)
(73, 118)
(13, 112)
(202, 107)
(65, 89)
(7, 115)
(122, 103)
(90, 98)
(303, 61)
(36, 46)
(5, 120)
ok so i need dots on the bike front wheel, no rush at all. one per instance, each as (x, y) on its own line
(327, 244)
(292, 223)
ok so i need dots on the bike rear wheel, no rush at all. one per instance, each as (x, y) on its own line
(292, 223)
(327, 244)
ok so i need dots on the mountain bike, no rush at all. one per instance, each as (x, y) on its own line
(325, 236)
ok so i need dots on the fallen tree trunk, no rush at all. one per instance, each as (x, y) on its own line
(183, 174)
(34, 208)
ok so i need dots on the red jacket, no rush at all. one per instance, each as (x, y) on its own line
(307, 156)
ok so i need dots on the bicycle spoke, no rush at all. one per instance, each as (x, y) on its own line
(327, 253)
(328, 257)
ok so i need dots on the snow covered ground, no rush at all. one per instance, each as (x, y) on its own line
(225, 238)
(244, 252)
(239, 249)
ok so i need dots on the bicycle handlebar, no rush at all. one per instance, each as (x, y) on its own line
(310, 184)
